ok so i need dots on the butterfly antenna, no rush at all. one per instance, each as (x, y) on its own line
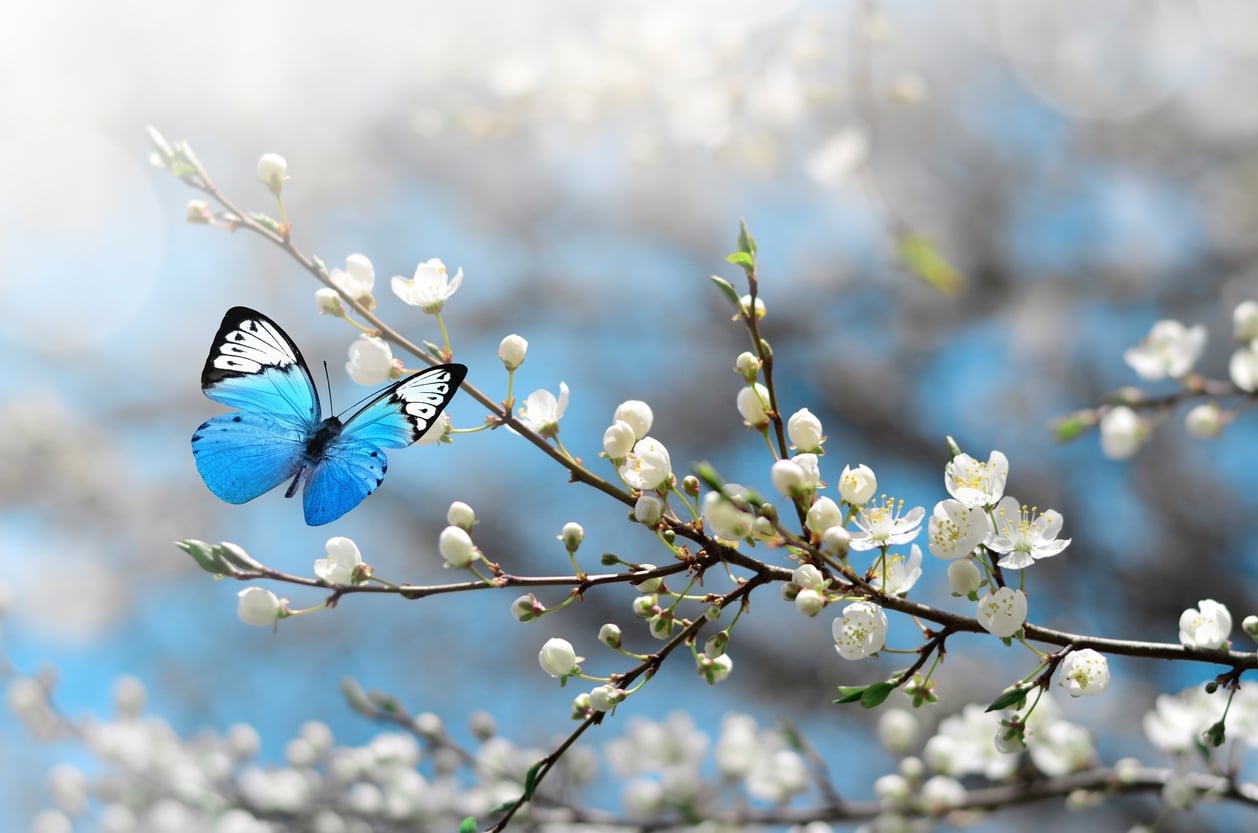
(327, 380)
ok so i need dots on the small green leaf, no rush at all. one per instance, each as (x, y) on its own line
(1072, 426)
(850, 694)
(265, 221)
(235, 555)
(432, 349)
(954, 450)
(919, 255)
(727, 288)
(468, 825)
(706, 473)
(530, 779)
(746, 243)
(387, 703)
(1013, 697)
(742, 259)
(876, 694)
(318, 264)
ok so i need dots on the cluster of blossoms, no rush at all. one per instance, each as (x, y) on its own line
(1171, 351)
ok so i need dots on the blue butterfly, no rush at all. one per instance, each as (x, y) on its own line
(278, 433)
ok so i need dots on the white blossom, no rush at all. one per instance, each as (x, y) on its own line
(357, 279)
(857, 485)
(429, 288)
(884, 525)
(1170, 349)
(557, 657)
(1122, 431)
(900, 573)
(618, 439)
(975, 483)
(648, 466)
(1245, 322)
(1025, 539)
(1085, 673)
(861, 631)
(342, 562)
(456, 547)
(955, 529)
(542, 411)
(1243, 367)
(638, 414)
(964, 577)
(370, 361)
(1003, 612)
(1208, 625)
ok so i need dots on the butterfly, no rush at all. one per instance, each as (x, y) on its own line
(277, 433)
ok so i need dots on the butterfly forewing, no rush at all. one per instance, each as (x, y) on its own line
(403, 412)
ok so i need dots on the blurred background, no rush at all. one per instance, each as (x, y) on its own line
(1085, 169)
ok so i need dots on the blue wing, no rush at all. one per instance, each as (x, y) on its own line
(352, 464)
(255, 367)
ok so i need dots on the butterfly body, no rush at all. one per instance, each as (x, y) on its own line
(277, 433)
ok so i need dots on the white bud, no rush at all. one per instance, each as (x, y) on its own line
(790, 478)
(610, 635)
(370, 361)
(605, 697)
(744, 304)
(461, 515)
(898, 730)
(572, 535)
(329, 302)
(748, 366)
(752, 401)
(557, 657)
(823, 514)
(259, 606)
(456, 547)
(526, 608)
(804, 429)
(272, 171)
(835, 541)
(857, 485)
(512, 350)
(808, 575)
(1205, 422)
(1245, 321)
(648, 510)
(809, 602)
(199, 212)
(638, 414)
(964, 577)
(1122, 431)
(618, 439)
(648, 586)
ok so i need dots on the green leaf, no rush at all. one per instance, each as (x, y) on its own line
(432, 349)
(387, 703)
(742, 259)
(706, 473)
(468, 825)
(206, 557)
(1073, 426)
(919, 255)
(318, 264)
(235, 555)
(266, 222)
(530, 780)
(850, 694)
(727, 288)
(954, 450)
(746, 243)
(876, 694)
(1013, 697)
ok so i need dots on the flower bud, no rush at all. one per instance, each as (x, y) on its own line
(604, 698)
(1245, 322)
(1122, 431)
(752, 401)
(648, 510)
(964, 577)
(744, 305)
(329, 302)
(618, 439)
(259, 606)
(748, 366)
(804, 429)
(662, 624)
(898, 730)
(648, 586)
(610, 636)
(456, 547)
(557, 657)
(527, 608)
(638, 414)
(572, 536)
(809, 602)
(790, 478)
(835, 541)
(199, 212)
(461, 515)
(272, 171)
(644, 607)
(823, 514)
(714, 669)
(512, 350)
(857, 485)
(715, 644)
(370, 361)
(1205, 422)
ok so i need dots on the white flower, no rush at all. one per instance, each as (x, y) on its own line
(1245, 322)
(638, 414)
(901, 573)
(259, 606)
(974, 483)
(739, 746)
(512, 350)
(823, 514)
(342, 562)
(542, 411)
(940, 794)
(1206, 626)
(272, 171)
(1205, 422)
(884, 526)
(1176, 722)
(861, 631)
(456, 547)
(1003, 613)
(722, 518)
(461, 515)
(955, 529)
(357, 279)
(1243, 367)
(898, 730)
(857, 485)
(1122, 431)
(1085, 673)
(430, 287)
(557, 657)
(752, 402)
(809, 602)
(804, 429)
(831, 163)
(648, 466)
(1023, 539)
(1170, 349)
(370, 361)
(648, 510)
(618, 439)
(964, 577)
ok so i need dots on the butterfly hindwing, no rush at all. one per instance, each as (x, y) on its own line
(244, 454)
(353, 464)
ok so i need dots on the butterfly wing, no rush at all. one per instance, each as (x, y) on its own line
(254, 366)
(353, 464)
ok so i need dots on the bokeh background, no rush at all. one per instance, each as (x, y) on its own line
(1086, 167)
